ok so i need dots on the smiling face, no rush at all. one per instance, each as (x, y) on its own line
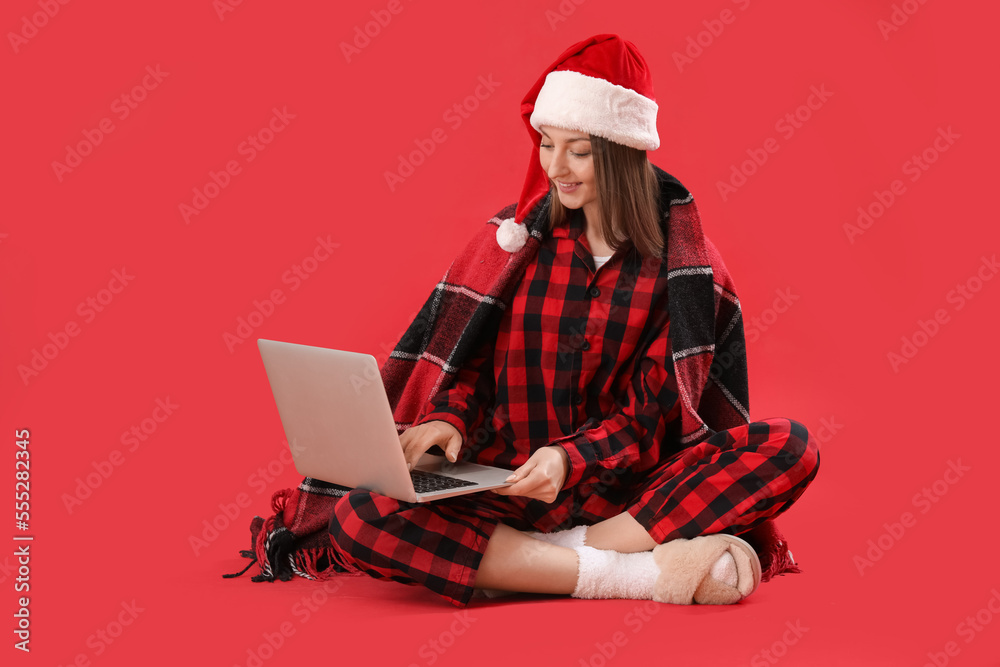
(566, 157)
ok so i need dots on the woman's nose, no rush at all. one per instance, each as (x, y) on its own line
(557, 165)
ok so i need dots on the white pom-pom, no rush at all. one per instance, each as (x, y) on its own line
(511, 236)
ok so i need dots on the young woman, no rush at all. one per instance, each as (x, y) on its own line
(620, 408)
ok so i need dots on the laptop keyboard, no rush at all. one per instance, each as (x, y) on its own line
(425, 482)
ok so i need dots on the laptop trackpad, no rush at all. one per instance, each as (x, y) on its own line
(472, 472)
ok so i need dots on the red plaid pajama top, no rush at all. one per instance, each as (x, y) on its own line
(581, 359)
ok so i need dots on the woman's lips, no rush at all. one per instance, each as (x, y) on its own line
(567, 187)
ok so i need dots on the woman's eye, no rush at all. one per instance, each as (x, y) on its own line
(571, 152)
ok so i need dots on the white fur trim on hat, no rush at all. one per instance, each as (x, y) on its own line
(575, 101)
(511, 235)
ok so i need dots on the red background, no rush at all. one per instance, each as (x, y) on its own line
(823, 361)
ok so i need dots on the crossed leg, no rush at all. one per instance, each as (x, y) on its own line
(776, 456)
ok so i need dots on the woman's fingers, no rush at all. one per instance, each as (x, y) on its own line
(414, 442)
(522, 472)
(454, 446)
(519, 477)
(418, 439)
(531, 481)
(535, 485)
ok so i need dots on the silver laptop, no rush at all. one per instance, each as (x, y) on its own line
(341, 430)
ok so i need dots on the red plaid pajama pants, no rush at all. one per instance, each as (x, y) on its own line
(728, 483)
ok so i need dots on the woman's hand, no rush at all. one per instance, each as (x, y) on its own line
(418, 439)
(541, 477)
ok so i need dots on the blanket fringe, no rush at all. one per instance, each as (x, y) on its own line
(772, 549)
(318, 565)
(274, 550)
(781, 563)
(280, 499)
(274, 544)
(252, 553)
(246, 553)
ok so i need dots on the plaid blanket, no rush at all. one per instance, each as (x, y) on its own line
(709, 357)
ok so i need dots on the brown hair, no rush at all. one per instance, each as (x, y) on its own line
(628, 195)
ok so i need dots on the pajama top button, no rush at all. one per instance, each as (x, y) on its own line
(577, 399)
(595, 292)
(585, 345)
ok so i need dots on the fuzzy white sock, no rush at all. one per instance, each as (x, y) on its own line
(610, 574)
(571, 538)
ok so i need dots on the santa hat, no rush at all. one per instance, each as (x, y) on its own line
(601, 86)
